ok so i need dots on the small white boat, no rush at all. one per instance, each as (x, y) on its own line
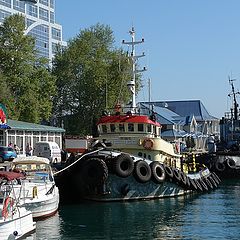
(15, 221)
(37, 192)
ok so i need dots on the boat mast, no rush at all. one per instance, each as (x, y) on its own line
(235, 104)
(134, 58)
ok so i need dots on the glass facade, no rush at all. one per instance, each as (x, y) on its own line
(40, 23)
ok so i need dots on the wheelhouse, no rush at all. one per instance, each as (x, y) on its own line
(129, 125)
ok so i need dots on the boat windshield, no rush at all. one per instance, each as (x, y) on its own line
(35, 172)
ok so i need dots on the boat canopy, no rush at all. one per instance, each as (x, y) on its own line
(11, 175)
(30, 160)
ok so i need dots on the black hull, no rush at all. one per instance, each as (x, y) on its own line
(224, 164)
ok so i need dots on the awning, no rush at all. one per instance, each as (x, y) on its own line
(11, 175)
(4, 126)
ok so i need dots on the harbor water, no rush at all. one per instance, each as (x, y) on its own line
(214, 215)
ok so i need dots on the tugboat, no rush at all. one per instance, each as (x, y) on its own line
(223, 156)
(130, 160)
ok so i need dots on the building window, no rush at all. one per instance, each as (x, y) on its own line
(41, 34)
(56, 34)
(32, 10)
(44, 2)
(52, 3)
(52, 17)
(43, 14)
(6, 3)
(19, 6)
(3, 15)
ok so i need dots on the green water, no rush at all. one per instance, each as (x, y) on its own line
(214, 215)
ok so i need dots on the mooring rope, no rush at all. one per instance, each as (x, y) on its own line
(77, 161)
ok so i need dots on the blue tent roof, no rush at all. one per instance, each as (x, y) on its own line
(185, 108)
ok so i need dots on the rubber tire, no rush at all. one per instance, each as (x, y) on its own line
(1, 160)
(220, 166)
(168, 171)
(216, 177)
(211, 179)
(176, 175)
(203, 184)
(209, 184)
(231, 163)
(199, 186)
(95, 171)
(158, 172)
(193, 185)
(123, 165)
(142, 171)
(183, 177)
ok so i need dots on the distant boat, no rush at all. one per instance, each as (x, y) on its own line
(15, 221)
(130, 160)
(37, 192)
(223, 156)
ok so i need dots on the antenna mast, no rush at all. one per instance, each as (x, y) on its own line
(134, 58)
(235, 104)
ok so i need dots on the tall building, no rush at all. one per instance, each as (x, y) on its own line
(40, 22)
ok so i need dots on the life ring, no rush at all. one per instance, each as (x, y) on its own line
(142, 171)
(158, 172)
(231, 163)
(176, 175)
(169, 171)
(123, 165)
(95, 171)
(8, 203)
(148, 143)
(220, 166)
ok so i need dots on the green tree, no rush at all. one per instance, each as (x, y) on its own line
(28, 86)
(91, 76)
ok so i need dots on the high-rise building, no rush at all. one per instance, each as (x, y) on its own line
(40, 22)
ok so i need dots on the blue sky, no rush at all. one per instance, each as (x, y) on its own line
(191, 46)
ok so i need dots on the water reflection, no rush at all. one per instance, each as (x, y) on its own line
(214, 215)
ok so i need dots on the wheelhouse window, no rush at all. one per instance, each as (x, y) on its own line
(121, 127)
(112, 127)
(149, 129)
(140, 127)
(130, 127)
(104, 128)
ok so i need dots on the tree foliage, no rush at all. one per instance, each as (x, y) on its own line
(26, 85)
(91, 76)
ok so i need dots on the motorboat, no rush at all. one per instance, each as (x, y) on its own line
(15, 221)
(38, 191)
(130, 161)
